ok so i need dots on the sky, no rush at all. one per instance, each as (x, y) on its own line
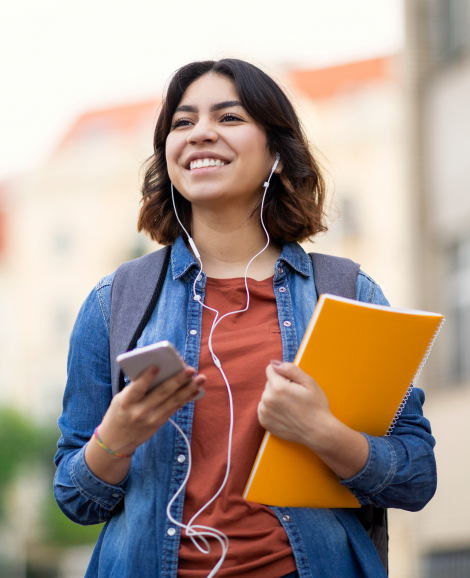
(60, 58)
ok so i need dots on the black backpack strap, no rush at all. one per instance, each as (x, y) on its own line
(337, 276)
(135, 291)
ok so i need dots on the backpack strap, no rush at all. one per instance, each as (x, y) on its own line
(135, 291)
(337, 276)
(334, 275)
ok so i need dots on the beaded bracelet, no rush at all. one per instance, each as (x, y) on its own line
(100, 443)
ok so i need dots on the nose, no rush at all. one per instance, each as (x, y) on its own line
(203, 131)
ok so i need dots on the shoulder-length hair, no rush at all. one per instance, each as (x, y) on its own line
(294, 205)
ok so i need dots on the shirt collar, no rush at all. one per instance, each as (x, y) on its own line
(296, 257)
(182, 260)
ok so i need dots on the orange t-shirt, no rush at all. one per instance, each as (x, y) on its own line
(244, 343)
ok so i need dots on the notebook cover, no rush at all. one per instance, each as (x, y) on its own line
(364, 357)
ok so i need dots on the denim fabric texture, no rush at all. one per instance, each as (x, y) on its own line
(138, 538)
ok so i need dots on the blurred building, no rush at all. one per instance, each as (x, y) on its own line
(436, 541)
(354, 117)
(68, 223)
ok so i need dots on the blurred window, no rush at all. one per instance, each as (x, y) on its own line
(62, 243)
(62, 322)
(350, 216)
(449, 30)
(450, 564)
(459, 318)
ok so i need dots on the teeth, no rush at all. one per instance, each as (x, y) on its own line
(199, 163)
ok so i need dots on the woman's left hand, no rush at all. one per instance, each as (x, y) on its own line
(295, 408)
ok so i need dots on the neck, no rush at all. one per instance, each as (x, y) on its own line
(227, 242)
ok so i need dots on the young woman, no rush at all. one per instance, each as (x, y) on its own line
(222, 127)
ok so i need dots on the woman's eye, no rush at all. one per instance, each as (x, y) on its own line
(181, 122)
(230, 117)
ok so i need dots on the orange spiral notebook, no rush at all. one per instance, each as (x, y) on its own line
(364, 357)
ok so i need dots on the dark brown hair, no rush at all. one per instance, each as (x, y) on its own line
(295, 199)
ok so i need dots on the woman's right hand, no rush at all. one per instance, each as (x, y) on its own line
(134, 416)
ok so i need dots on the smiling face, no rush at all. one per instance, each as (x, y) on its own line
(215, 152)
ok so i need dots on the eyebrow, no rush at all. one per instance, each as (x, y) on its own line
(214, 107)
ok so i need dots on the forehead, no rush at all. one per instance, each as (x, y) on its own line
(209, 89)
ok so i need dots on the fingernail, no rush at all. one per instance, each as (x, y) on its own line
(155, 370)
(199, 394)
(275, 362)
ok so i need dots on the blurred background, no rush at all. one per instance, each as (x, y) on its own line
(383, 89)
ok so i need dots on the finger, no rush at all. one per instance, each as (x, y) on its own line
(168, 387)
(277, 382)
(292, 372)
(282, 394)
(176, 401)
(138, 388)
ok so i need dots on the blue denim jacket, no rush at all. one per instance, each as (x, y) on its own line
(138, 538)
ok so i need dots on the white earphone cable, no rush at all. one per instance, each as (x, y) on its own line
(195, 531)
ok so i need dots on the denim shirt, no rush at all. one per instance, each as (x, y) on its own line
(138, 538)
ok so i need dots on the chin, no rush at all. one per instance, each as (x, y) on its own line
(209, 191)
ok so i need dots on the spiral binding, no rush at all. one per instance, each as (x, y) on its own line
(415, 379)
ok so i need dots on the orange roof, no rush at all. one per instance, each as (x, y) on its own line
(325, 82)
(121, 119)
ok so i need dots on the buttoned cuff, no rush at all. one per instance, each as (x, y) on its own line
(93, 488)
(377, 473)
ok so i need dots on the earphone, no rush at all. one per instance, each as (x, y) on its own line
(196, 531)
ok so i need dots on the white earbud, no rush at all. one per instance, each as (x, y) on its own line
(276, 162)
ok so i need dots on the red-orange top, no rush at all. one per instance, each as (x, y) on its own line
(244, 343)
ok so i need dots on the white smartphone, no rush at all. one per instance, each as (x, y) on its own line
(163, 354)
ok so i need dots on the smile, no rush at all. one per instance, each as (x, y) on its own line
(200, 163)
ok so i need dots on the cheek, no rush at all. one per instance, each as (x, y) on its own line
(253, 146)
(173, 148)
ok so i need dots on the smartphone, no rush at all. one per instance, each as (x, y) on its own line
(163, 354)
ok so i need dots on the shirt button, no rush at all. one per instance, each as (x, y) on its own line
(286, 518)
(280, 270)
(199, 277)
(193, 332)
(197, 297)
(171, 531)
(181, 458)
(116, 495)
(282, 289)
(287, 323)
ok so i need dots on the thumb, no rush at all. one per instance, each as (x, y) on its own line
(292, 372)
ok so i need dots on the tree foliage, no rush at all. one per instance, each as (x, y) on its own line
(24, 443)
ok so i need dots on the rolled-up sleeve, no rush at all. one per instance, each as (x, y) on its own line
(401, 469)
(82, 496)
